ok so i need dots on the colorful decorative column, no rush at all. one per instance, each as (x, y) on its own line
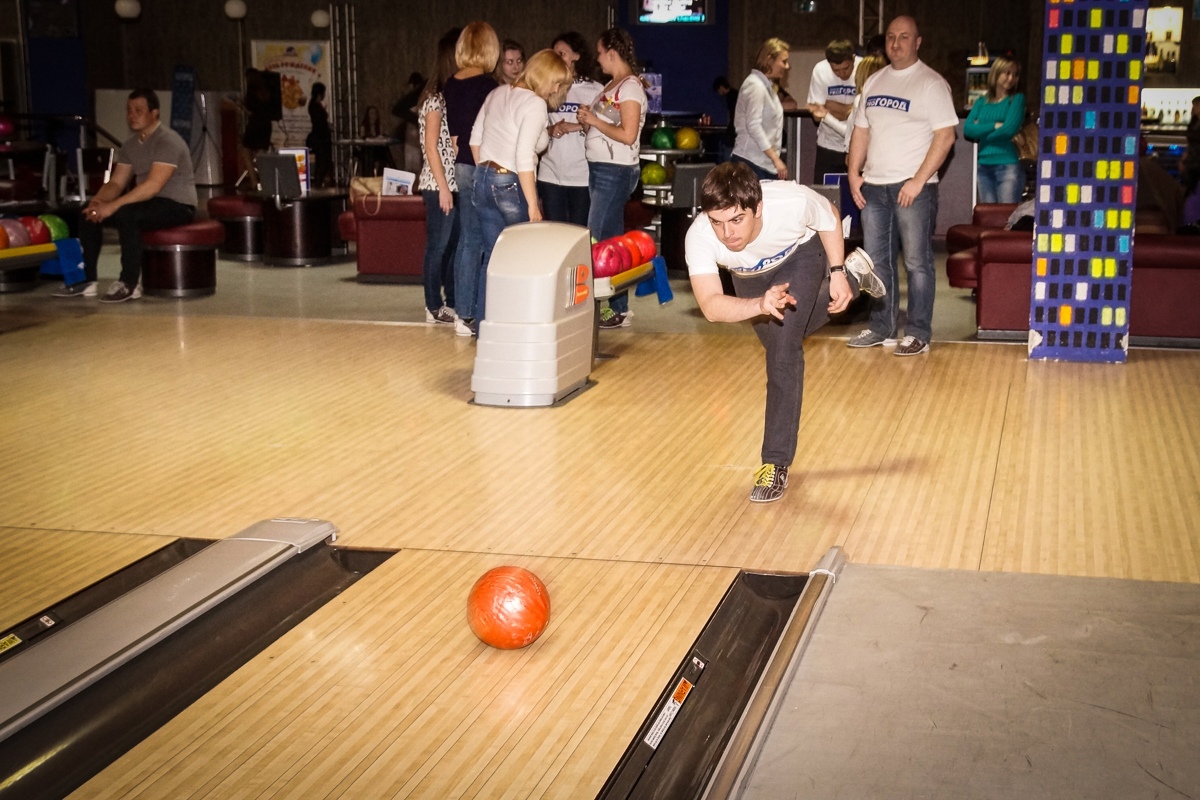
(1087, 179)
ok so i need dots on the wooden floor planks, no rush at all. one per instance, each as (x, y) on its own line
(630, 501)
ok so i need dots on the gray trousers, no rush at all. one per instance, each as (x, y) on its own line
(805, 271)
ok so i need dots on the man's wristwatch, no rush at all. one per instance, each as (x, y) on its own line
(837, 268)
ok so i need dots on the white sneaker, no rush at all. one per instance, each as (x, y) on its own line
(860, 265)
(462, 327)
(443, 316)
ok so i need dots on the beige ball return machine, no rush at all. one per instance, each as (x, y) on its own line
(535, 345)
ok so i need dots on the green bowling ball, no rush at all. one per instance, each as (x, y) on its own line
(662, 139)
(57, 226)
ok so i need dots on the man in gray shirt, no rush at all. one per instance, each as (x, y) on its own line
(158, 163)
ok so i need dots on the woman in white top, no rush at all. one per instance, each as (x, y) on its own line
(507, 136)
(563, 173)
(613, 123)
(758, 118)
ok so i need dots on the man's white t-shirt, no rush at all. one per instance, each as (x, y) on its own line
(823, 87)
(792, 214)
(607, 106)
(564, 162)
(902, 108)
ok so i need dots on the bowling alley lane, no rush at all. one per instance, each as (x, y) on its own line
(41, 567)
(385, 691)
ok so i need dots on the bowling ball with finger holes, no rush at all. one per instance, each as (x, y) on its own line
(508, 608)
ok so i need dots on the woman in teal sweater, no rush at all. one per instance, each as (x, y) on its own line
(994, 120)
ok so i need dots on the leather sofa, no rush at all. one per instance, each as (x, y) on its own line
(1166, 278)
(389, 236)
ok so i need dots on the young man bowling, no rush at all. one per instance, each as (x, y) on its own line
(783, 244)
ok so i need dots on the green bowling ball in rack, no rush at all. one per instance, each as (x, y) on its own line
(57, 225)
(662, 139)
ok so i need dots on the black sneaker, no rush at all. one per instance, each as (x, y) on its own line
(611, 319)
(119, 293)
(769, 483)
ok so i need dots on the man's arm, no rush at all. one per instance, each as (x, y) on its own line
(839, 111)
(855, 161)
(116, 184)
(939, 148)
(160, 173)
(720, 307)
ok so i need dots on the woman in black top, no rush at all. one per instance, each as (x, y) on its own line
(320, 138)
(476, 53)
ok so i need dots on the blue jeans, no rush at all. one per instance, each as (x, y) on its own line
(759, 172)
(1000, 183)
(886, 224)
(609, 187)
(499, 202)
(469, 254)
(564, 203)
(441, 237)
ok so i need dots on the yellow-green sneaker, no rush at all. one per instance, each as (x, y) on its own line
(769, 483)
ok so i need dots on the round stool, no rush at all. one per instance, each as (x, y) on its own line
(242, 217)
(182, 261)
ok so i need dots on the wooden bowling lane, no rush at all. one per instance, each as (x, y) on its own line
(42, 567)
(386, 693)
(972, 457)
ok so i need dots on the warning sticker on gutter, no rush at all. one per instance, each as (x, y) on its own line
(667, 715)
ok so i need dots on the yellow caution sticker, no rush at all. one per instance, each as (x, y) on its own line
(9, 642)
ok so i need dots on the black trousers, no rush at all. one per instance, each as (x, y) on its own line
(827, 161)
(130, 220)
(783, 340)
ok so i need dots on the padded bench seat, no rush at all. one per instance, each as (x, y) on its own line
(182, 261)
(242, 217)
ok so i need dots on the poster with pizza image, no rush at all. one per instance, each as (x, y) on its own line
(299, 64)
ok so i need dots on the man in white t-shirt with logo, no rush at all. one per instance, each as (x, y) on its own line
(902, 135)
(831, 92)
(782, 243)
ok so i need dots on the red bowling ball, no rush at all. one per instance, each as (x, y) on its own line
(508, 608)
(38, 232)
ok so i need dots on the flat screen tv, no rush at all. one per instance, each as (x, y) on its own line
(674, 12)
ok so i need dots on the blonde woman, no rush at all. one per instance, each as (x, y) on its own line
(507, 136)
(758, 118)
(993, 122)
(476, 53)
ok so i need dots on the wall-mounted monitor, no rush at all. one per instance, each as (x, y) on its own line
(673, 12)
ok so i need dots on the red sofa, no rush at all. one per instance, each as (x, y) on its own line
(389, 235)
(1166, 281)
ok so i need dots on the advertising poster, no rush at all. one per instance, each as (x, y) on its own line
(299, 65)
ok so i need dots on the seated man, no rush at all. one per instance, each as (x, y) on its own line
(783, 244)
(164, 195)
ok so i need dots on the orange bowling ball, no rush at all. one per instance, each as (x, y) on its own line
(508, 608)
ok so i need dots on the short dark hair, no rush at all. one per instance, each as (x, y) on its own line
(148, 95)
(730, 185)
(839, 51)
